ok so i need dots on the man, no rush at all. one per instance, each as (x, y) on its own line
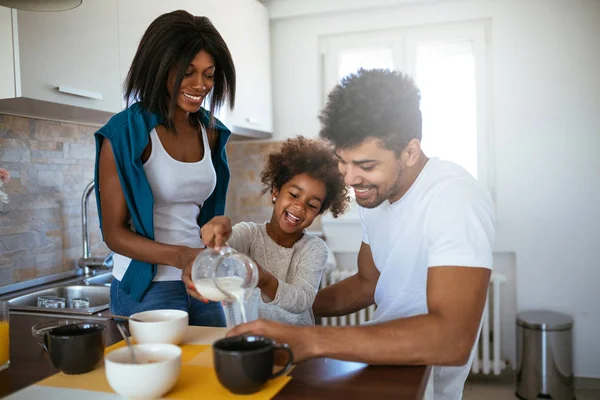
(428, 232)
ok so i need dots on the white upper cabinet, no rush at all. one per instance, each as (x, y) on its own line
(71, 65)
(7, 62)
(134, 17)
(244, 25)
(62, 60)
(247, 33)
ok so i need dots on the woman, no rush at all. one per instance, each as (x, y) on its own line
(162, 171)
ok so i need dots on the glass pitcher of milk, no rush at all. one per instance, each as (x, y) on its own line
(230, 277)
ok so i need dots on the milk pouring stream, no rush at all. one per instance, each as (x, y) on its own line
(226, 276)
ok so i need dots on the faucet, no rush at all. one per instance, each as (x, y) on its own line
(90, 265)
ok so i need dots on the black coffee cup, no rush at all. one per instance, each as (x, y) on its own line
(245, 363)
(75, 348)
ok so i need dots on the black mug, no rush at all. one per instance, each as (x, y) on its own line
(75, 348)
(245, 363)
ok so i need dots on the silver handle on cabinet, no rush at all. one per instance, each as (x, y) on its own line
(80, 92)
(252, 121)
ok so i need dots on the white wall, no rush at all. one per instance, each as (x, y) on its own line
(546, 133)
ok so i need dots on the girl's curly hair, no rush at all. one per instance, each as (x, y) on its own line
(313, 157)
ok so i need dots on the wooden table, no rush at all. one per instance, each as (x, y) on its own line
(315, 379)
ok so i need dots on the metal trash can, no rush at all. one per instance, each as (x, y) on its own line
(544, 356)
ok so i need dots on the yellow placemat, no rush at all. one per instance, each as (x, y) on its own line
(203, 359)
(197, 378)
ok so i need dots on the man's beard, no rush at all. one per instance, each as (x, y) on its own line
(381, 197)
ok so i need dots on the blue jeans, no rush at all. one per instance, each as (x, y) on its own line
(167, 295)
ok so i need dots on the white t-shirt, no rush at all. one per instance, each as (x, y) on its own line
(445, 219)
(179, 190)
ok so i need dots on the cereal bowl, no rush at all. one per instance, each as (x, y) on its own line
(155, 372)
(159, 326)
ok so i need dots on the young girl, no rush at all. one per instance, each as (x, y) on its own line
(304, 181)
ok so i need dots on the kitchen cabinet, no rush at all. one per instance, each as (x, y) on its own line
(7, 65)
(65, 64)
(71, 65)
(247, 34)
(244, 25)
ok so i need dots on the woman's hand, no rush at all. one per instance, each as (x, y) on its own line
(216, 231)
(187, 257)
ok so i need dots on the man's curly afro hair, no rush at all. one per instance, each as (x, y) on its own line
(373, 103)
(313, 157)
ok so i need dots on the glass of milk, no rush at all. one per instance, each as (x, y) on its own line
(229, 277)
(249, 307)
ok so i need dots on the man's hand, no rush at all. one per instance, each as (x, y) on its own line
(216, 231)
(299, 338)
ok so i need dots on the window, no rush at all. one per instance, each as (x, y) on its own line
(445, 73)
(351, 61)
(448, 64)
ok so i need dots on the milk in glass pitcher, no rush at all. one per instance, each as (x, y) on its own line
(230, 277)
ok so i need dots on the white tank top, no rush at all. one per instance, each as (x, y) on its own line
(179, 190)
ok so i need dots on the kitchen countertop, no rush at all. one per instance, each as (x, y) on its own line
(315, 379)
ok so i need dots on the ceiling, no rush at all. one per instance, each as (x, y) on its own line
(297, 8)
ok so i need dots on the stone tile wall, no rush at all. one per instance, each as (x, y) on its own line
(40, 229)
(244, 199)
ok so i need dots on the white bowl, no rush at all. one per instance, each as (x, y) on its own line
(155, 374)
(159, 326)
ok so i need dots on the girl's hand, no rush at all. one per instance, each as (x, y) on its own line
(216, 231)
(267, 283)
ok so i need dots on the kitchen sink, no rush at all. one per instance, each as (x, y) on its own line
(99, 280)
(99, 297)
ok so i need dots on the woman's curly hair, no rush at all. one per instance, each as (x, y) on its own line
(373, 103)
(313, 157)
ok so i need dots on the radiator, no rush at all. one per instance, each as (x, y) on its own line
(486, 362)
(357, 318)
(487, 359)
